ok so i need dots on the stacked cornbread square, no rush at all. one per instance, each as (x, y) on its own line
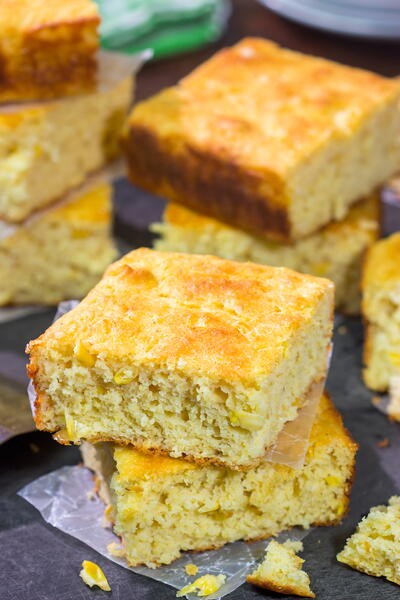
(178, 371)
(381, 311)
(50, 147)
(186, 355)
(275, 146)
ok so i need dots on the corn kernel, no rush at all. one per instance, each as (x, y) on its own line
(93, 575)
(191, 569)
(394, 358)
(70, 427)
(332, 480)
(341, 508)
(122, 377)
(246, 420)
(205, 585)
(83, 355)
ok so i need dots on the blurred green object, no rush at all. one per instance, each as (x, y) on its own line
(166, 26)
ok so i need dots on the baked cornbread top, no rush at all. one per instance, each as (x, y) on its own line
(382, 266)
(264, 107)
(133, 465)
(18, 17)
(195, 315)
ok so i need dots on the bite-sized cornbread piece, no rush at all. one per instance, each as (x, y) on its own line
(335, 252)
(47, 149)
(162, 506)
(60, 253)
(381, 310)
(267, 139)
(187, 355)
(47, 49)
(375, 546)
(281, 571)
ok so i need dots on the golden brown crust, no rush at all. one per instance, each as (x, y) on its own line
(47, 49)
(194, 332)
(204, 182)
(266, 584)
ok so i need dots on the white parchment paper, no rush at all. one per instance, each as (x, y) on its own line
(65, 500)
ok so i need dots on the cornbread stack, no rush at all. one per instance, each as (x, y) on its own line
(272, 156)
(178, 371)
(61, 123)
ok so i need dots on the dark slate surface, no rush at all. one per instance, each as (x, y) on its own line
(38, 562)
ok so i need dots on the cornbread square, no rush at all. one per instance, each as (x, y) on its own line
(268, 140)
(47, 49)
(186, 355)
(335, 252)
(381, 310)
(47, 149)
(281, 571)
(162, 506)
(375, 546)
(61, 253)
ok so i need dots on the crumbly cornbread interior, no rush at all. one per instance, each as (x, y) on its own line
(47, 149)
(381, 309)
(162, 506)
(281, 570)
(335, 252)
(375, 546)
(268, 139)
(166, 340)
(61, 254)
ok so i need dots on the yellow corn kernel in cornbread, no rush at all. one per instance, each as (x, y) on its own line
(281, 571)
(93, 575)
(381, 311)
(47, 49)
(335, 252)
(49, 148)
(375, 546)
(233, 349)
(163, 506)
(266, 139)
(60, 253)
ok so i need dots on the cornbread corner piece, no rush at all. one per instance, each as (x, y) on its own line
(186, 355)
(62, 252)
(266, 139)
(47, 49)
(381, 311)
(335, 252)
(281, 571)
(49, 148)
(208, 506)
(374, 548)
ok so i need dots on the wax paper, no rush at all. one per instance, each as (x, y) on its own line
(64, 499)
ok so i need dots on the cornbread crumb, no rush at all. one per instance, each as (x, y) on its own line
(184, 230)
(61, 253)
(342, 330)
(209, 506)
(234, 349)
(203, 586)
(383, 443)
(93, 575)
(115, 549)
(374, 548)
(266, 139)
(381, 311)
(281, 571)
(191, 569)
